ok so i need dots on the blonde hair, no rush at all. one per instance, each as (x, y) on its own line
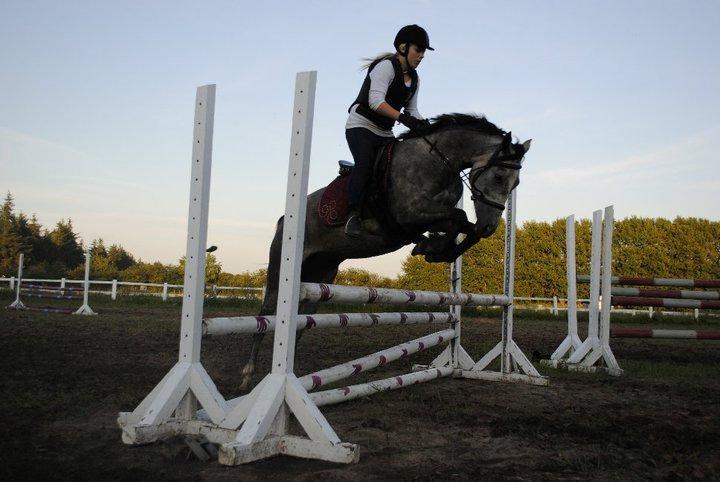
(384, 56)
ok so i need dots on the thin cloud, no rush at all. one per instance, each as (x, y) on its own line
(28, 144)
(690, 151)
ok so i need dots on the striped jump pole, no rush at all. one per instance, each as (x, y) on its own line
(653, 293)
(65, 311)
(670, 334)
(665, 302)
(50, 288)
(263, 324)
(317, 379)
(345, 394)
(318, 292)
(670, 282)
(32, 294)
(352, 392)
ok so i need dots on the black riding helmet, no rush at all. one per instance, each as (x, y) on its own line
(412, 34)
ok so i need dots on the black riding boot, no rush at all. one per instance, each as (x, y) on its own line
(353, 227)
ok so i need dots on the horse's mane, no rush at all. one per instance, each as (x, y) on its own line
(443, 121)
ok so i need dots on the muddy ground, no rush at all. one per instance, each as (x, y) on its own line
(65, 378)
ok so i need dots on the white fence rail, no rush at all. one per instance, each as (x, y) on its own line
(520, 301)
(165, 291)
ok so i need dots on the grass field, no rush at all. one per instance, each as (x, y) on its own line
(65, 378)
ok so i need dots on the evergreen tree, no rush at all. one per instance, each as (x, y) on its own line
(10, 239)
(67, 248)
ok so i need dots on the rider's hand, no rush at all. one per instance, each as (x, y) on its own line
(413, 123)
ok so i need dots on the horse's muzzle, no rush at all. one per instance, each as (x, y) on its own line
(485, 230)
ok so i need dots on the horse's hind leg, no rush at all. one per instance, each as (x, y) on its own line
(316, 269)
(269, 303)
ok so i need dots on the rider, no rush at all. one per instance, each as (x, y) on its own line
(388, 94)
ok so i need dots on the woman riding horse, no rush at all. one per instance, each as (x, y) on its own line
(390, 86)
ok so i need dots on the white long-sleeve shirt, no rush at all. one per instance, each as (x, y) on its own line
(380, 78)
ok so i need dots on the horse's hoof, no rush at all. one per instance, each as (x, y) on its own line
(246, 373)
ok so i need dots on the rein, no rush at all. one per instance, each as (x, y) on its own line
(509, 161)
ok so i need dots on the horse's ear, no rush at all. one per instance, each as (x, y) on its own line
(526, 145)
(507, 140)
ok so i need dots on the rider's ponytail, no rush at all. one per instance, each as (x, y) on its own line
(378, 58)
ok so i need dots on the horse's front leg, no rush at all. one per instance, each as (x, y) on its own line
(442, 218)
(452, 251)
(451, 226)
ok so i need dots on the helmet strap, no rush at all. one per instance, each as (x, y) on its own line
(405, 56)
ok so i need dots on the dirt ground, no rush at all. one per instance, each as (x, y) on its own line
(67, 377)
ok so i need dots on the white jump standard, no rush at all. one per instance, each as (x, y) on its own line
(50, 292)
(594, 354)
(256, 425)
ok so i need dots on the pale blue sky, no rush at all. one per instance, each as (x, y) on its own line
(621, 100)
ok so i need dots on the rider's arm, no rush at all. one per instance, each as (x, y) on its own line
(387, 110)
(380, 78)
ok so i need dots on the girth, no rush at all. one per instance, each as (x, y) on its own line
(378, 200)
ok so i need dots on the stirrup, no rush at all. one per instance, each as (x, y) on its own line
(346, 167)
(353, 226)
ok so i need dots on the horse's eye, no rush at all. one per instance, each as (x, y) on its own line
(498, 179)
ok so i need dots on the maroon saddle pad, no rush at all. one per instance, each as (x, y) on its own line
(333, 205)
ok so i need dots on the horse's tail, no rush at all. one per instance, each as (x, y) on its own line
(269, 304)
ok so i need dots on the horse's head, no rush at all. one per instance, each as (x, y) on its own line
(492, 178)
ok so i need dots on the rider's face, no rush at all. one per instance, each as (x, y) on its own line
(415, 56)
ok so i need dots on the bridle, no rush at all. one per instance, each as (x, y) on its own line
(497, 159)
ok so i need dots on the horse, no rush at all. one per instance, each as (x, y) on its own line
(424, 180)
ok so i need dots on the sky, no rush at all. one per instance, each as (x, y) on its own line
(620, 98)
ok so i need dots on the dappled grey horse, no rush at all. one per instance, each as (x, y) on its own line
(424, 179)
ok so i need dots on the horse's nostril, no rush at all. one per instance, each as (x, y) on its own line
(486, 230)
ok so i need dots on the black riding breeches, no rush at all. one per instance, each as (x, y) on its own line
(364, 146)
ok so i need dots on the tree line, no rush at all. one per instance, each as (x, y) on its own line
(657, 247)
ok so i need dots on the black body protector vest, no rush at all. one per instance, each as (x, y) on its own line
(398, 94)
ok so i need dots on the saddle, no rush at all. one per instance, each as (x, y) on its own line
(333, 204)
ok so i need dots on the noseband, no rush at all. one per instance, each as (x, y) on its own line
(498, 159)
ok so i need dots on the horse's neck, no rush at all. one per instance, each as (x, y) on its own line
(460, 146)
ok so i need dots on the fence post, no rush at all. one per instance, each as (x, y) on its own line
(214, 291)
(165, 292)
(697, 313)
(555, 305)
(650, 312)
(12, 282)
(62, 283)
(113, 293)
